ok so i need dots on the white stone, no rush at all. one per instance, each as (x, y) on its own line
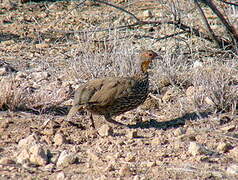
(65, 159)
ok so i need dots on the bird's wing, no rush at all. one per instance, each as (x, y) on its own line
(111, 89)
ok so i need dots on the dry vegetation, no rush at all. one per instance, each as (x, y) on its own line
(187, 128)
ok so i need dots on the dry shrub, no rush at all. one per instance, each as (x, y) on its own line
(217, 87)
(13, 93)
(21, 95)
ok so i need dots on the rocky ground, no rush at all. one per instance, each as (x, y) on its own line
(186, 129)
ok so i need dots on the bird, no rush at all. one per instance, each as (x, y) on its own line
(112, 96)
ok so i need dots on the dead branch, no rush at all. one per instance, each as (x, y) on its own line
(117, 7)
(230, 29)
(209, 29)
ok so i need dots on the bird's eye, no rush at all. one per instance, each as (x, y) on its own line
(150, 54)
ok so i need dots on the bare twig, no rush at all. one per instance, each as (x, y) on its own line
(230, 3)
(209, 29)
(231, 30)
(117, 7)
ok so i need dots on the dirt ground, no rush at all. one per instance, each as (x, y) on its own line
(169, 138)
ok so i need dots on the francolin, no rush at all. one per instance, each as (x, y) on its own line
(112, 96)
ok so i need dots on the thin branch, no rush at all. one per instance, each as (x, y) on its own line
(230, 3)
(231, 30)
(209, 29)
(117, 7)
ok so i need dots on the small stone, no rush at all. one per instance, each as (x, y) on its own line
(40, 75)
(132, 134)
(28, 141)
(65, 159)
(147, 14)
(59, 139)
(6, 160)
(125, 171)
(223, 147)
(209, 101)
(197, 64)
(233, 169)
(179, 131)
(149, 164)
(23, 157)
(130, 157)
(60, 176)
(234, 152)
(42, 46)
(38, 155)
(228, 128)
(196, 149)
(105, 130)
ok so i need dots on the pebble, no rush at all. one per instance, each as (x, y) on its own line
(65, 159)
(197, 149)
(38, 155)
(130, 157)
(23, 157)
(105, 130)
(223, 147)
(28, 141)
(59, 139)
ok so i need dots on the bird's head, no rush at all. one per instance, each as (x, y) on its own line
(146, 58)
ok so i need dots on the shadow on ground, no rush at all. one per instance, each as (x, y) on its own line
(174, 123)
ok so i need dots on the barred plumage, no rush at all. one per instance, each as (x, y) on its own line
(114, 95)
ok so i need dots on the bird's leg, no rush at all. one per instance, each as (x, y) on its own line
(109, 119)
(72, 112)
(92, 121)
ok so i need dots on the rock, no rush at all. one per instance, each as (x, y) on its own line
(156, 141)
(223, 147)
(125, 170)
(209, 101)
(234, 152)
(147, 14)
(149, 164)
(232, 169)
(60, 176)
(38, 155)
(197, 64)
(27, 142)
(6, 160)
(130, 157)
(59, 139)
(179, 131)
(23, 157)
(105, 130)
(197, 149)
(38, 76)
(65, 159)
(132, 134)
